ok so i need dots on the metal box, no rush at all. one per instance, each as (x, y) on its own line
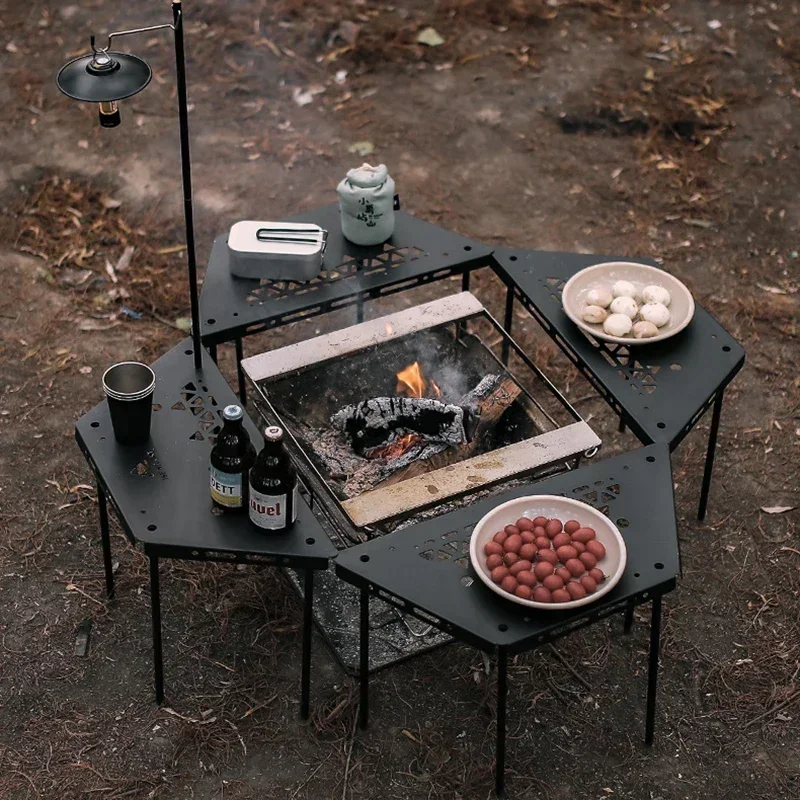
(277, 251)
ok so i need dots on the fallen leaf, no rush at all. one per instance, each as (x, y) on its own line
(341, 76)
(771, 289)
(125, 259)
(83, 144)
(176, 248)
(85, 370)
(777, 509)
(183, 323)
(12, 48)
(430, 37)
(362, 148)
(96, 325)
(714, 24)
(110, 270)
(109, 202)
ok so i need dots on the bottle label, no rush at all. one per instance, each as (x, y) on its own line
(226, 488)
(268, 511)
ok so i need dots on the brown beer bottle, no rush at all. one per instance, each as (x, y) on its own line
(231, 459)
(273, 485)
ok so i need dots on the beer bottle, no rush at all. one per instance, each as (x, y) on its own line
(231, 459)
(273, 485)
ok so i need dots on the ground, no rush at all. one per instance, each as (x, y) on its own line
(666, 130)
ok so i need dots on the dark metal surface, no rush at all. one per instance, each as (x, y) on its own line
(160, 490)
(425, 570)
(186, 172)
(418, 252)
(660, 390)
(75, 81)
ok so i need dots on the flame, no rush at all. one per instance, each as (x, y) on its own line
(389, 328)
(410, 380)
(397, 447)
(437, 392)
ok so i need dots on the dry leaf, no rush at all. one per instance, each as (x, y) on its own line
(109, 202)
(777, 509)
(110, 270)
(362, 148)
(96, 325)
(176, 248)
(430, 37)
(125, 259)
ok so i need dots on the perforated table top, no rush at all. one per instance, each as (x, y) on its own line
(660, 389)
(418, 252)
(426, 570)
(160, 489)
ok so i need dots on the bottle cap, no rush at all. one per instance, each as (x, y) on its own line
(232, 413)
(273, 433)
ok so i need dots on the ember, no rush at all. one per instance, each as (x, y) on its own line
(397, 447)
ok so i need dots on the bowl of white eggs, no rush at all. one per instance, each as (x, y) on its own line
(627, 303)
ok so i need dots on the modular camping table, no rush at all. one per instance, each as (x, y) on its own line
(658, 390)
(417, 253)
(425, 571)
(160, 492)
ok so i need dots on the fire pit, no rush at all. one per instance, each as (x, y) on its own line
(394, 416)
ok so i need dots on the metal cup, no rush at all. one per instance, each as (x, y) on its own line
(129, 389)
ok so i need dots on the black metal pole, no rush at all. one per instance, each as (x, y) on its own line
(186, 166)
(508, 321)
(502, 694)
(712, 449)
(363, 657)
(105, 538)
(240, 372)
(155, 611)
(652, 670)
(629, 616)
(305, 672)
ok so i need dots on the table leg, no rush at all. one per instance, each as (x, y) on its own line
(106, 539)
(621, 428)
(155, 610)
(465, 282)
(305, 679)
(652, 670)
(629, 616)
(212, 351)
(502, 693)
(508, 322)
(240, 372)
(712, 448)
(363, 668)
(360, 308)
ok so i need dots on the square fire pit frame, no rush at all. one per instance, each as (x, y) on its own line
(533, 455)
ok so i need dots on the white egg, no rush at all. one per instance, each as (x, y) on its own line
(617, 325)
(644, 330)
(624, 305)
(594, 314)
(657, 313)
(656, 294)
(599, 297)
(623, 289)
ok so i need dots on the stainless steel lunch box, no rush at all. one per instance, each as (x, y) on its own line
(277, 251)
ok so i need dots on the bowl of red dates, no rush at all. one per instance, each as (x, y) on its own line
(548, 552)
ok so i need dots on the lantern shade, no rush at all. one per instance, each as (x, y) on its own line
(129, 75)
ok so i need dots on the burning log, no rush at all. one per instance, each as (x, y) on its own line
(377, 422)
(488, 401)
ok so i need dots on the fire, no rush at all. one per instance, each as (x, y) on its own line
(397, 447)
(411, 381)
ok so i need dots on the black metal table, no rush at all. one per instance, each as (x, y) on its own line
(418, 252)
(160, 493)
(658, 390)
(424, 571)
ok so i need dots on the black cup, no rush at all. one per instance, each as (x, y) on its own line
(129, 389)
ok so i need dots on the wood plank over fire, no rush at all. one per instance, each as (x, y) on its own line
(459, 479)
(368, 334)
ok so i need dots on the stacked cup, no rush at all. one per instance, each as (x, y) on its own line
(129, 388)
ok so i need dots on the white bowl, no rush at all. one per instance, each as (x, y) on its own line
(552, 506)
(573, 297)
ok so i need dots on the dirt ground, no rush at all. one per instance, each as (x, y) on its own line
(665, 130)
